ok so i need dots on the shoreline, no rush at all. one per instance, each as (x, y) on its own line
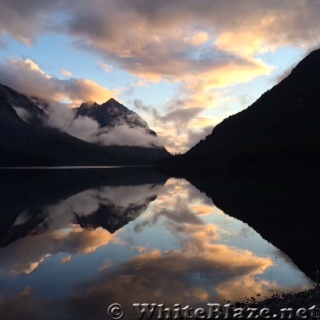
(295, 300)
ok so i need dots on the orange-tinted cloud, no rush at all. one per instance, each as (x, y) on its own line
(179, 280)
(66, 73)
(105, 67)
(36, 249)
(203, 45)
(26, 77)
(169, 39)
(66, 259)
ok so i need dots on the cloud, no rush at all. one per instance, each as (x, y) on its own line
(158, 42)
(87, 129)
(25, 20)
(181, 116)
(176, 127)
(292, 21)
(63, 118)
(22, 113)
(203, 46)
(171, 39)
(139, 105)
(123, 135)
(162, 43)
(66, 73)
(105, 67)
(26, 77)
(194, 136)
(198, 39)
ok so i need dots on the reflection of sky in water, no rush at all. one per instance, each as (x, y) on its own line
(181, 249)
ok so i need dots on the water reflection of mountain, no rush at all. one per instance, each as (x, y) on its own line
(285, 212)
(112, 217)
(200, 254)
(35, 200)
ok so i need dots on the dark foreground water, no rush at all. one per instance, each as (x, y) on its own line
(74, 242)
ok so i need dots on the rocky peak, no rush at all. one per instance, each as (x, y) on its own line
(111, 114)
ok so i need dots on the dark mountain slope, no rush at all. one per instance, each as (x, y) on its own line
(25, 141)
(280, 128)
(283, 211)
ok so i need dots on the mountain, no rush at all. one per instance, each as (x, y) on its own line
(112, 216)
(26, 140)
(111, 114)
(281, 129)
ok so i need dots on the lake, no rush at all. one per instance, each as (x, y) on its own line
(75, 241)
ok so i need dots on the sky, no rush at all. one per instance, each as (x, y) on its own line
(182, 65)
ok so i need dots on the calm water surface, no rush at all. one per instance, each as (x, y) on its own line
(72, 245)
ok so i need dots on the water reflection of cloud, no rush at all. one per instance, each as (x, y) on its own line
(174, 203)
(58, 232)
(181, 213)
(199, 267)
(193, 273)
(25, 255)
(25, 305)
(202, 209)
(186, 277)
(194, 233)
(107, 264)
(183, 218)
(66, 259)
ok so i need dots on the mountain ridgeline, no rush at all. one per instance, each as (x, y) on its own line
(281, 129)
(111, 114)
(26, 139)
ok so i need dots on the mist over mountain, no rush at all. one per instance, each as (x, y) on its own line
(280, 129)
(117, 125)
(111, 114)
(32, 132)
